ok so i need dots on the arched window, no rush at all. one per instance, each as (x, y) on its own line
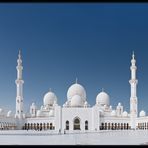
(115, 126)
(76, 124)
(47, 125)
(105, 126)
(127, 126)
(124, 126)
(34, 126)
(67, 125)
(31, 126)
(37, 126)
(118, 126)
(50, 126)
(86, 125)
(28, 127)
(121, 125)
(102, 126)
(40, 126)
(109, 126)
(112, 127)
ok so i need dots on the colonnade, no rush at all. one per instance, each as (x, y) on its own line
(7, 125)
(114, 126)
(143, 125)
(38, 126)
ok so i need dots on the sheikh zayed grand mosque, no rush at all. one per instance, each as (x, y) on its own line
(76, 114)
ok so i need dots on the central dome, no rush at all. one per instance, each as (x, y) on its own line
(50, 98)
(76, 89)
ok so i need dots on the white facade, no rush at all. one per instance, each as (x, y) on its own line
(76, 114)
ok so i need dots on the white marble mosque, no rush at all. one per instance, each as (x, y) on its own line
(76, 114)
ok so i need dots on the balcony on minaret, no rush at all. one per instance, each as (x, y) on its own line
(133, 81)
(133, 67)
(19, 67)
(19, 81)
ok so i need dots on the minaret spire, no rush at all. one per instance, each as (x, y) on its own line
(133, 55)
(19, 89)
(76, 80)
(19, 55)
(133, 99)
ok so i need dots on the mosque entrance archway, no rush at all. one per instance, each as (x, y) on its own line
(76, 124)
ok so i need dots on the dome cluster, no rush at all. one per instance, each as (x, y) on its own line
(76, 95)
(76, 89)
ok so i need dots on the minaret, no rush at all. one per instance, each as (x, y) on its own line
(133, 99)
(19, 88)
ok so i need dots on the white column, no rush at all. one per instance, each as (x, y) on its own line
(19, 88)
(133, 99)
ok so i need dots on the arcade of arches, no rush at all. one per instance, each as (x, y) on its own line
(76, 126)
(7, 126)
(114, 126)
(122, 126)
(38, 126)
(143, 125)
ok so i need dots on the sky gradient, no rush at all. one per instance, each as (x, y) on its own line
(59, 42)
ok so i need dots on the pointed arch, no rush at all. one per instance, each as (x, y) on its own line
(67, 125)
(76, 123)
(86, 125)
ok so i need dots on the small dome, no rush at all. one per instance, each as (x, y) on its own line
(113, 113)
(9, 113)
(51, 113)
(50, 98)
(76, 89)
(119, 104)
(76, 101)
(124, 114)
(33, 104)
(142, 113)
(102, 98)
(1, 110)
(39, 113)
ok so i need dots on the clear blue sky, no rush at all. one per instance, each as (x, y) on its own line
(60, 42)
